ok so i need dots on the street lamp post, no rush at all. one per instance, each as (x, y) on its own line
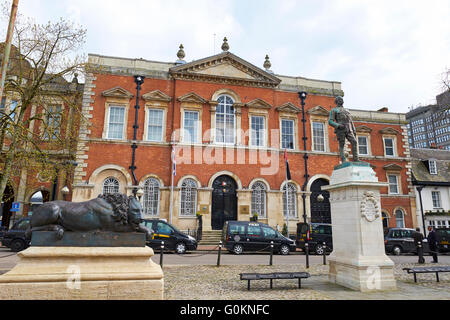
(302, 95)
(419, 189)
(139, 80)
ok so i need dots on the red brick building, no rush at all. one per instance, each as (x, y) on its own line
(230, 123)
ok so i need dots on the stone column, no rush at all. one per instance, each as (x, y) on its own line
(358, 260)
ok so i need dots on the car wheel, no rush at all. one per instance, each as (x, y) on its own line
(17, 245)
(284, 249)
(397, 250)
(180, 248)
(238, 249)
(319, 249)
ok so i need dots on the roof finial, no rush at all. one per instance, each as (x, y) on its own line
(181, 55)
(267, 64)
(225, 46)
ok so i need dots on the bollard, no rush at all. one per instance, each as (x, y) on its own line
(271, 253)
(307, 255)
(218, 254)
(420, 252)
(161, 256)
(324, 253)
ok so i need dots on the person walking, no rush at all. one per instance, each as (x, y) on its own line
(432, 242)
(418, 242)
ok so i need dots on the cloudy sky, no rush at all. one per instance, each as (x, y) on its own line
(385, 53)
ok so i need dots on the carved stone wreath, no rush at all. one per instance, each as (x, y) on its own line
(370, 208)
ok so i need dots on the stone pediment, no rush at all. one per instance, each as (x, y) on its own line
(117, 92)
(191, 97)
(258, 104)
(389, 130)
(225, 68)
(392, 167)
(288, 107)
(363, 128)
(156, 95)
(319, 111)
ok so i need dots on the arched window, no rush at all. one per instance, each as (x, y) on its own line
(400, 218)
(259, 199)
(225, 120)
(292, 200)
(188, 197)
(110, 185)
(385, 219)
(151, 197)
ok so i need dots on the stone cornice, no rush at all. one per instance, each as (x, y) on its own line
(319, 111)
(193, 71)
(258, 104)
(156, 95)
(288, 107)
(191, 97)
(117, 92)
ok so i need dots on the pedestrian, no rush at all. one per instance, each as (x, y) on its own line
(418, 242)
(432, 243)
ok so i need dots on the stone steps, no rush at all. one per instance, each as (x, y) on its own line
(211, 237)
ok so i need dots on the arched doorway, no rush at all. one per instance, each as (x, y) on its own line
(224, 201)
(320, 202)
(6, 205)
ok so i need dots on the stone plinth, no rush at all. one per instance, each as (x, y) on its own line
(358, 260)
(95, 273)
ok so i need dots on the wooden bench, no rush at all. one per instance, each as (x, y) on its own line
(436, 270)
(275, 275)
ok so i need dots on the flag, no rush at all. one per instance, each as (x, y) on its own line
(174, 164)
(288, 172)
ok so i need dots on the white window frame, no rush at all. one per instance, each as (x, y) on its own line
(196, 129)
(432, 166)
(108, 123)
(402, 220)
(292, 196)
(262, 132)
(397, 184)
(394, 153)
(314, 137)
(259, 192)
(112, 180)
(148, 124)
(151, 184)
(190, 185)
(436, 199)
(367, 145)
(225, 115)
(293, 133)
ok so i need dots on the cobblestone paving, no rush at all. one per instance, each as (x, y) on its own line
(223, 283)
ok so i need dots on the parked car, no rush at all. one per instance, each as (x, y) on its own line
(15, 238)
(318, 233)
(172, 237)
(240, 236)
(400, 240)
(443, 237)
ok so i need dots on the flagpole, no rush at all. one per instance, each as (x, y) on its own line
(171, 186)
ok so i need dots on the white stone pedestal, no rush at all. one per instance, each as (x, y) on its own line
(358, 260)
(94, 273)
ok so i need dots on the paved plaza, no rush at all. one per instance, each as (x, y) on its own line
(186, 280)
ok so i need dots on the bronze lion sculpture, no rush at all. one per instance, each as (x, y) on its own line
(108, 212)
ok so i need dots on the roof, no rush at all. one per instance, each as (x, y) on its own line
(420, 171)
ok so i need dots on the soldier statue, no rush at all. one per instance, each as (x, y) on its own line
(344, 128)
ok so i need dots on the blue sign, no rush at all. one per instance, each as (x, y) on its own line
(15, 207)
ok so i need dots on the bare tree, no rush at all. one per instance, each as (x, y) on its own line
(34, 131)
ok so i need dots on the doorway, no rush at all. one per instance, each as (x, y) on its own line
(224, 201)
(320, 206)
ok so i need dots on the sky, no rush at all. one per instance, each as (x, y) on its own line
(385, 53)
